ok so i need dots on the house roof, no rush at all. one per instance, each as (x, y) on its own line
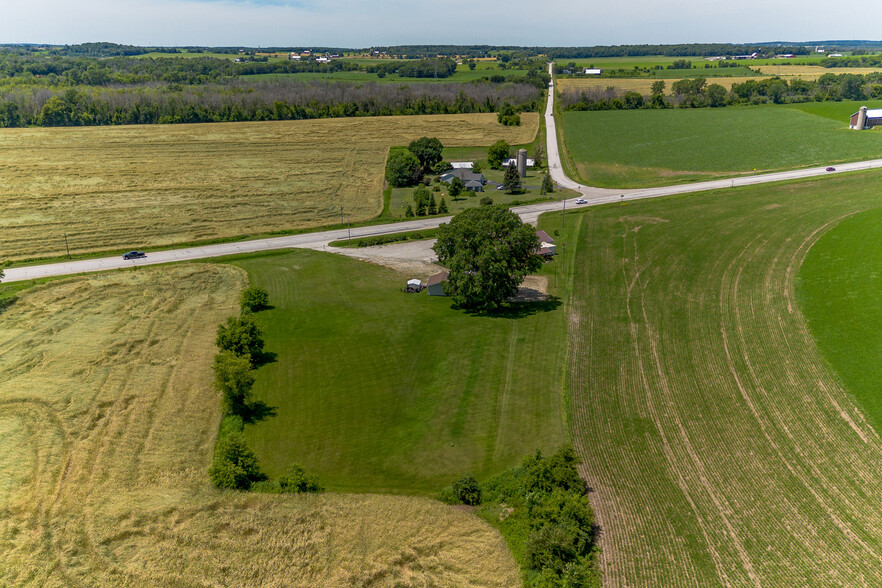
(438, 278)
(463, 174)
(543, 237)
(473, 184)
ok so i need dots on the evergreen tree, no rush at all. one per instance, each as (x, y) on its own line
(442, 208)
(433, 206)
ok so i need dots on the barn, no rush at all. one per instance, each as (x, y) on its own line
(865, 119)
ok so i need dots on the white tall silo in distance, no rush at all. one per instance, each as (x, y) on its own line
(862, 118)
(522, 163)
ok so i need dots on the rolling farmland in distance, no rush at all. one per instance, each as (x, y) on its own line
(722, 447)
(640, 148)
(156, 185)
(107, 429)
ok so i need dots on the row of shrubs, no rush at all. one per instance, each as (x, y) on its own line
(541, 506)
(240, 349)
(396, 238)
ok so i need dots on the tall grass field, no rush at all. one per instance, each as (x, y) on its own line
(107, 427)
(100, 188)
(639, 148)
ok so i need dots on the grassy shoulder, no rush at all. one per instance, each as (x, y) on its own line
(414, 391)
(386, 239)
(640, 148)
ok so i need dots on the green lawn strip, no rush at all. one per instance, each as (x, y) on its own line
(640, 148)
(384, 239)
(381, 391)
(840, 292)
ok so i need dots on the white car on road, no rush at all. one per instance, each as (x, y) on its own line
(581, 201)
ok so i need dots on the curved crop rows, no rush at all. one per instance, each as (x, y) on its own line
(721, 447)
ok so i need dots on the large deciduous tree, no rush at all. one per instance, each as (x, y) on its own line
(497, 152)
(403, 168)
(488, 251)
(428, 151)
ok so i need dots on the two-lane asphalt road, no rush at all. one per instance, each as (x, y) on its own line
(529, 213)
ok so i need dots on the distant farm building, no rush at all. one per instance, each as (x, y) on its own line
(866, 119)
(462, 164)
(513, 161)
(592, 71)
(435, 285)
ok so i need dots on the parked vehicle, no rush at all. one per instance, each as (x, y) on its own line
(134, 255)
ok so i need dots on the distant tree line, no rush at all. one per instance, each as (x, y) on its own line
(22, 106)
(697, 93)
(684, 50)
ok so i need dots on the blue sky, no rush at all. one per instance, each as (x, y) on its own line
(347, 23)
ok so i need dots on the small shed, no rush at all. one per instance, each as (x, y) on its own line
(435, 285)
(462, 164)
(591, 71)
(414, 285)
(547, 248)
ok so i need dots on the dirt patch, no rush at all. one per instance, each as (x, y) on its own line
(533, 289)
(414, 258)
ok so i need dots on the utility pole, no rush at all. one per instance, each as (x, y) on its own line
(349, 228)
(563, 214)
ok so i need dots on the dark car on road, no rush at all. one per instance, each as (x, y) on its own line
(134, 255)
(831, 169)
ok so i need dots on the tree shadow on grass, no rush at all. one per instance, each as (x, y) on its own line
(257, 411)
(516, 310)
(263, 358)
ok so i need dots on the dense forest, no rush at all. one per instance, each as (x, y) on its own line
(76, 88)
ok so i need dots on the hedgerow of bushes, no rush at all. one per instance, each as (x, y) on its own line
(542, 509)
(240, 346)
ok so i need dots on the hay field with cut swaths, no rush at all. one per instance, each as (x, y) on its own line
(107, 426)
(157, 185)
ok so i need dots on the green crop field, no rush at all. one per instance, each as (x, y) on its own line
(107, 428)
(148, 186)
(838, 288)
(377, 390)
(638, 148)
(724, 449)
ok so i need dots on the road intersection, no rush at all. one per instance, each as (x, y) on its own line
(529, 213)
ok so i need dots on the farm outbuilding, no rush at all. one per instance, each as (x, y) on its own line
(435, 285)
(547, 248)
(414, 285)
(865, 119)
(471, 180)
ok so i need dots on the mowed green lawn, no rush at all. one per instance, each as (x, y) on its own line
(722, 446)
(381, 391)
(840, 292)
(640, 148)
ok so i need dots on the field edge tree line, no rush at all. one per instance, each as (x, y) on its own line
(235, 466)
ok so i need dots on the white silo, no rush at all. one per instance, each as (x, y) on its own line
(522, 162)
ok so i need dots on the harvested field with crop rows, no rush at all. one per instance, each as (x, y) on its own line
(107, 426)
(157, 185)
(722, 448)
